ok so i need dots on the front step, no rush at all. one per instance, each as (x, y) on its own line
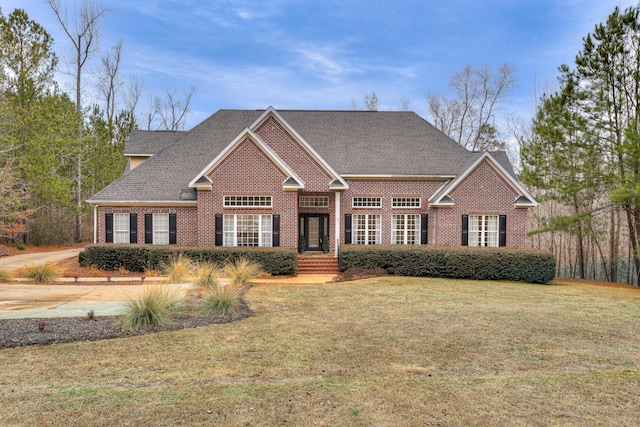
(317, 264)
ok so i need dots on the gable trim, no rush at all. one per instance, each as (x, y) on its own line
(323, 164)
(287, 183)
(439, 199)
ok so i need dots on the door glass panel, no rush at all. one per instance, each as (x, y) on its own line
(314, 232)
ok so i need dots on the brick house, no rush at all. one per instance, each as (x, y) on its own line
(278, 178)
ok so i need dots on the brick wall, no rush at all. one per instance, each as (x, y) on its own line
(387, 190)
(186, 221)
(483, 192)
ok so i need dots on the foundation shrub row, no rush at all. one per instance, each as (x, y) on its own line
(276, 261)
(523, 265)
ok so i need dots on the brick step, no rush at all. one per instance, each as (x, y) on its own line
(317, 264)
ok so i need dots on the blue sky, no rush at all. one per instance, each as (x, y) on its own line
(298, 54)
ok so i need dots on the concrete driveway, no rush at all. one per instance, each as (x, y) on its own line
(16, 262)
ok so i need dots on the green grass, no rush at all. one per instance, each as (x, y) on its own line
(381, 351)
(242, 270)
(42, 273)
(219, 301)
(152, 309)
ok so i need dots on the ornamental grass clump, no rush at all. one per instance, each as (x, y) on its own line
(219, 301)
(152, 309)
(42, 273)
(4, 276)
(178, 269)
(206, 275)
(242, 270)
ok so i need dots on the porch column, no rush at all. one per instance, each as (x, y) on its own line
(95, 224)
(337, 225)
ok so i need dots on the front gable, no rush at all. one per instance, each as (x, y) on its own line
(246, 151)
(487, 180)
(296, 152)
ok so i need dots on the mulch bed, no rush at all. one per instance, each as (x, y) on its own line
(58, 330)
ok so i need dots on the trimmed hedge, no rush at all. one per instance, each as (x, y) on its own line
(522, 265)
(149, 257)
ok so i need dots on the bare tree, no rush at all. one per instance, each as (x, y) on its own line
(405, 104)
(371, 101)
(469, 118)
(168, 113)
(133, 93)
(108, 82)
(83, 33)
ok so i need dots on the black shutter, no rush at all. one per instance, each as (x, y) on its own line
(347, 229)
(465, 230)
(276, 231)
(219, 220)
(148, 228)
(172, 229)
(133, 228)
(502, 230)
(424, 229)
(108, 226)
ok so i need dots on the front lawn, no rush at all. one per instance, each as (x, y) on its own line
(383, 351)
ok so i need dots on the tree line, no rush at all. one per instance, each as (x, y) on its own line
(57, 150)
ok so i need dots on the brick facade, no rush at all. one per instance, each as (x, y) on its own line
(248, 170)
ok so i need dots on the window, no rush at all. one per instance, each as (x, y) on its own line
(367, 202)
(405, 229)
(121, 228)
(160, 229)
(483, 230)
(313, 201)
(366, 229)
(247, 230)
(247, 201)
(406, 202)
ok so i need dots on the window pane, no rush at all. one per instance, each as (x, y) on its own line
(229, 230)
(121, 228)
(160, 229)
(266, 223)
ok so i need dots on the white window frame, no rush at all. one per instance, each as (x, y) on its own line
(400, 228)
(160, 234)
(366, 229)
(406, 202)
(248, 201)
(366, 202)
(121, 228)
(232, 232)
(313, 201)
(484, 230)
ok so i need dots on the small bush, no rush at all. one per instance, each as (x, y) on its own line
(242, 270)
(20, 245)
(206, 275)
(153, 309)
(82, 259)
(4, 276)
(523, 265)
(178, 269)
(42, 273)
(219, 301)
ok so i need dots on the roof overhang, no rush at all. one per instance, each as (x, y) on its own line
(142, 202)
(291, 182)
(271, 112)
(391, 177)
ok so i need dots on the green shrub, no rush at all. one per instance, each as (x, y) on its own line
(140, 258)
(152, 309)
(241, 270)
(82, 259)
(206, 275)
(178, 269)
(42, 273)
(219, 301)
(524, 265)
(20, 245)
(4, 276)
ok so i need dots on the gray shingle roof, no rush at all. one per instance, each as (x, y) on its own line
(351, 142)
(149, 142)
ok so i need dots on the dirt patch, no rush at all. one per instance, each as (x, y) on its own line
(10, 250)
(564, 281)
